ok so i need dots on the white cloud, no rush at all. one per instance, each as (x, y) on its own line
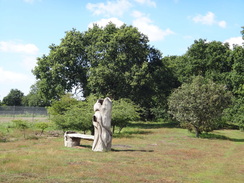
(146, 26)
(14, 80)
(11, 77)
(111, 8)
(234, 41)
(222, 24)
(147, 2)
(12, 47)
(209, 19)
(104, 22)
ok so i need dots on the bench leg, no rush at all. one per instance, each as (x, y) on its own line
(71, 142)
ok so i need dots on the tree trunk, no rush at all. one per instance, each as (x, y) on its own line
(113, 128)
(197, 131)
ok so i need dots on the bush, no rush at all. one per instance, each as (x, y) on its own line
(123, 111)
(199, 105)
(235, 114)
(71, 114)
(59, 107)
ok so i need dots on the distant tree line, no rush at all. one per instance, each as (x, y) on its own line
(119, 62)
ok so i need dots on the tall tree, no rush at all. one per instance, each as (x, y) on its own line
(208, 59)
(235, 81)
(65, 67)
(14, 98)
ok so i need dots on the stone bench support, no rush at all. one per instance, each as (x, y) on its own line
(72, 139)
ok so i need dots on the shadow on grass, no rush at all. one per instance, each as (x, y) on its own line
(131, 134)
(154, 125)
(85, 146)
(118, 150)
(219, 137)
(130, 150)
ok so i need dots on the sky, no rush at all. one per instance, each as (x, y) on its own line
(29, 27)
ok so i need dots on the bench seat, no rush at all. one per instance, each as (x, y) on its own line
(72, 139)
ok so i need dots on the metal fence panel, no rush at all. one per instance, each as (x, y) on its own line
(23, 111)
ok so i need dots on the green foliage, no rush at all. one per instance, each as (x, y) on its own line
(215, 61)
(64, 68)
(79, 117)
(21, 125)
(59, 107)
(34, 98)
(235, 78)
(124, 111)
(235, 113)
(119, 62)
(42, 126)
(14, 98)
(208, 59)
(199, 105)
(105, 61)
(235, 82)
(71, 114)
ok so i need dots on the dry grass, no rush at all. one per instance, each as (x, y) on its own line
(142, 153)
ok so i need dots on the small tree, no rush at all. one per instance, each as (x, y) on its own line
(123, 111)
(42, 126)
(21, 125)
(199, 104)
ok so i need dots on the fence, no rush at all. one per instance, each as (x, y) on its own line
(22, 111)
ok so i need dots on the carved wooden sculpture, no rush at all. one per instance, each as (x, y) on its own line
(102, 124)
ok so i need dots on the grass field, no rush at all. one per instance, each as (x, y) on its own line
(143, 152)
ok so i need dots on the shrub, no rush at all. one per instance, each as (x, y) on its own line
(199, 105)
(123, 111)
(76, 115)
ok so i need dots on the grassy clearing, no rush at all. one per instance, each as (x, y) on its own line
(143, 152)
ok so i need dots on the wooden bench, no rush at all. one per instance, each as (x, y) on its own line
(72, 139)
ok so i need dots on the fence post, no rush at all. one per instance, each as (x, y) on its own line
(33, 113)
(13, 111)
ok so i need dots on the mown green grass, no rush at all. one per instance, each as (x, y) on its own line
(143, 152)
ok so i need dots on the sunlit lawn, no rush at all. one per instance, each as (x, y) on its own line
(153, 152)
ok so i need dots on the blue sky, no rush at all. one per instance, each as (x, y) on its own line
(28, 27)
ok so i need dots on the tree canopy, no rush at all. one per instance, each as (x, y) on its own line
(199, 104)
(106, 61)
(14, 98)
(208, 59)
